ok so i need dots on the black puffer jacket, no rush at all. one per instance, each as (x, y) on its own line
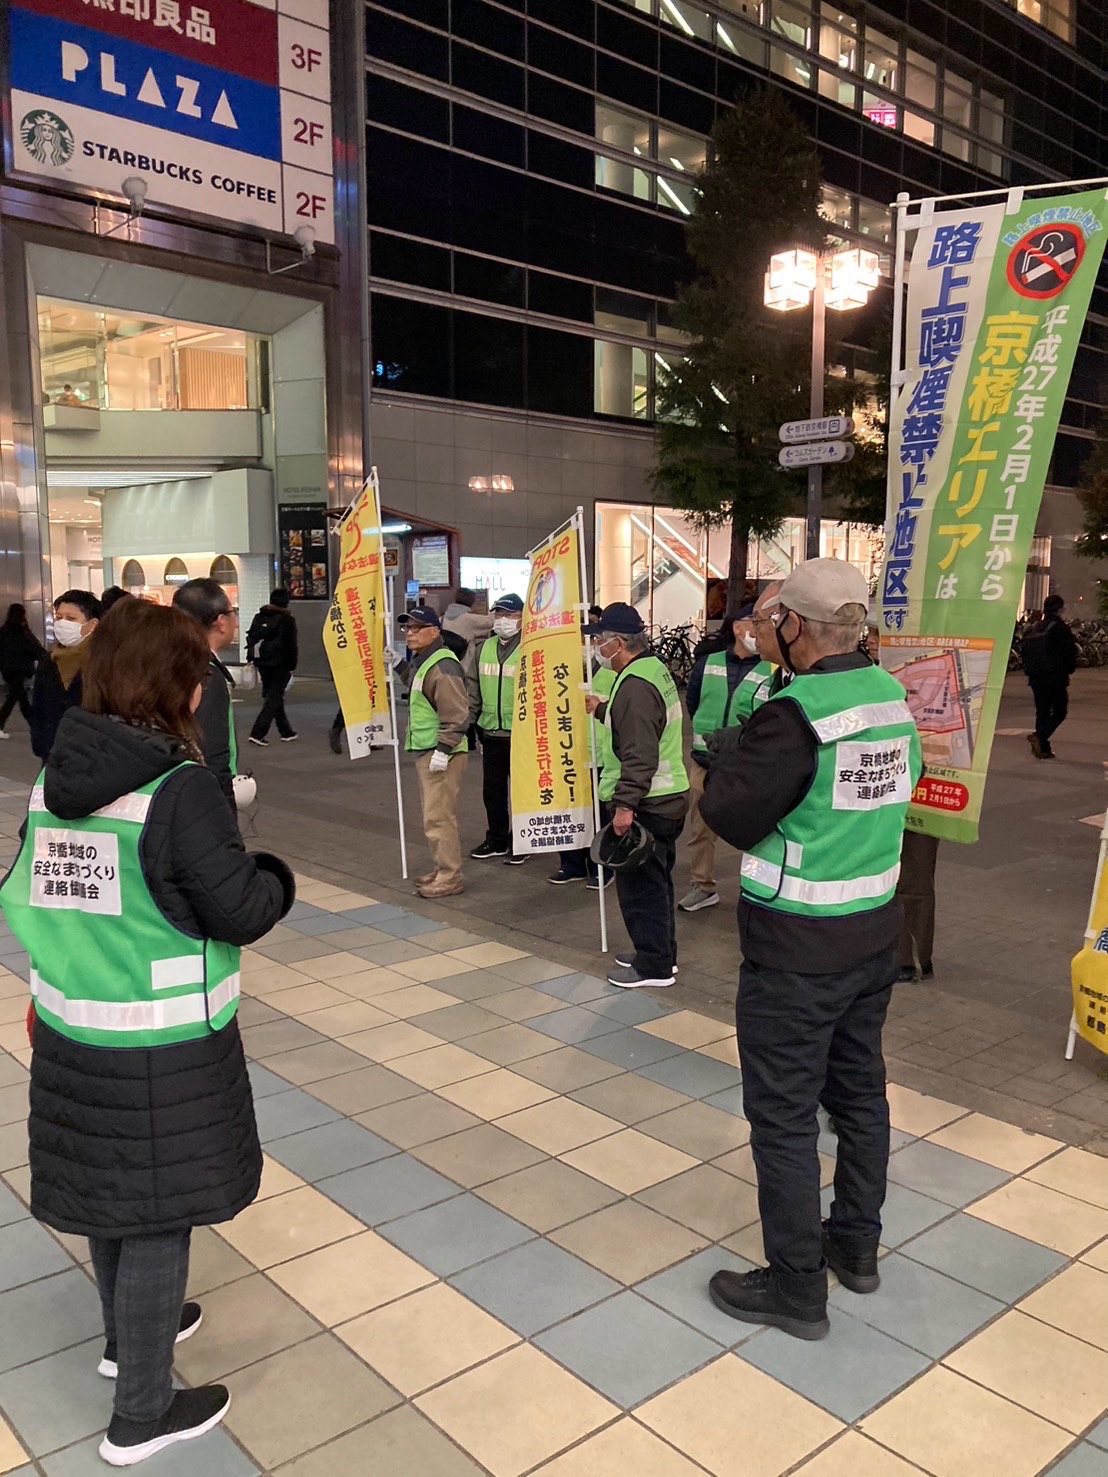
(134, 1140)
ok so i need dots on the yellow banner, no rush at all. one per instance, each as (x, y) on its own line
(354, 633)
(551, 778)
(1090, 968)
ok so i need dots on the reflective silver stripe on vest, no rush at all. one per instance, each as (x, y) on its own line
(716, 671)
(169, 974)
(138, 1015)
(819, 894)
(854, 720)
(131, 807)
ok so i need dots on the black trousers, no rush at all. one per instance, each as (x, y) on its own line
(646, 900)
(1052, 701)
(916, 891)
(141, 1280)
(496, 768)
(806, 1039)
(16, 693)
(274, 683)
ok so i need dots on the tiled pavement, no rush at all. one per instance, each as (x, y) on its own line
(494, 1193)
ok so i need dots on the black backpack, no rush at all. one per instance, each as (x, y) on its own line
(1035, 651)
(456, 644)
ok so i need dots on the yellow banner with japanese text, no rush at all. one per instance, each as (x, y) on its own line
(1090, 966)
(354, 634)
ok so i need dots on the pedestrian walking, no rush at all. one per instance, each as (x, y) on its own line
(460, 619)
(438, 717)
(814, 792)
(1049, 655)
(646, 781)
(205, 600)
(141, 1118)
(20, 653)
(57, 683)
(273, 647)
(711, 697)
(491, 670)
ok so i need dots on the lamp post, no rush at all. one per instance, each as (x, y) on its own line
(826, 279)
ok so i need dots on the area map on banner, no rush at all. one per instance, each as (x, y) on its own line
(995, 311)
(551, 780)
(354, 635)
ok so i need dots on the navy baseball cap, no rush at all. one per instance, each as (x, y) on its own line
(509, 604)
(617, 620)
(422, 615)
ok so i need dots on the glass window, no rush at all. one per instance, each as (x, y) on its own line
(687, 19)
(647, 6)
(919, 88)
(875, 220)
(957, 109)
(623, 312)
(837, 206)
(685, 152)
(792, 21)
(743, 40)
(1059, 19)
(630, 133)
(990, 129)
(620, 380)
(411, 346)
(838, 45)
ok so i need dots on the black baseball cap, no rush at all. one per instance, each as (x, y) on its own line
(509, 604)
(422, 615)
(618, 619)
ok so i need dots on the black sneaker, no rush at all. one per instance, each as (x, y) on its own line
(593, 884)
(627, 977)
(191, 1319)
(756, 1297)
(191, 1414)
(261, 743)
(289, 738)
(626, 961)
(905, 974)
(927, 971)
(487, 849)
(514, 861)
(562, 876)
(856, 1270)
(336, 740)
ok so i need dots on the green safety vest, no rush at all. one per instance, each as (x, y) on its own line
(498, 686)
(753, 690)
(603, 680)
(232, 736)
(107, 967)
(717, 707)
(670, 778)
(423, 721)
(838, 852)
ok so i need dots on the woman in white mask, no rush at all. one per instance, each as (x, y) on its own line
(58, 681)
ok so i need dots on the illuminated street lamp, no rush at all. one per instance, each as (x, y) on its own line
(828, 279)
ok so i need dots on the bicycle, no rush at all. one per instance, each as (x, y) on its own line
(673, 646)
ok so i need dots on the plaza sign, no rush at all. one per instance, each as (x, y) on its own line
(223, 108)
(828, 428)
(819, 453)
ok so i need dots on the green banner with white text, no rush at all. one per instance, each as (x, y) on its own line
(995, 310)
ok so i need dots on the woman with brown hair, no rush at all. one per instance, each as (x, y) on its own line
(132, 895)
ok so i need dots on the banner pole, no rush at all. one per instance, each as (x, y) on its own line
(1071, 1039)
(392, 695)
(579, 519)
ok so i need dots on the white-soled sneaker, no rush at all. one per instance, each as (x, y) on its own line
(627, 977)
(192, 1413)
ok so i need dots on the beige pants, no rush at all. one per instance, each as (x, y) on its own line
(702, 839)
(438, 794)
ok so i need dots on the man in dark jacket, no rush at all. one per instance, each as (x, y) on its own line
(271, 644)
(58, 681)
(206, 601)
(1049, 659)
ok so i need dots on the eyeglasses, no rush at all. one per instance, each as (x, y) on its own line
(765, 620)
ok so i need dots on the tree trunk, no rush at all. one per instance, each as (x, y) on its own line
(736, 571)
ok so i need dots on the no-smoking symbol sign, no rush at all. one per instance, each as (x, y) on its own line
(1043, 263)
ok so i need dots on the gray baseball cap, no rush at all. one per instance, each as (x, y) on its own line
(819, 588)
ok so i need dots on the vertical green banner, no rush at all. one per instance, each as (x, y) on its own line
(996, 307)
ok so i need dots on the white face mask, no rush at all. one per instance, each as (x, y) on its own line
(749, 644)
(505, 627)
(68, 633)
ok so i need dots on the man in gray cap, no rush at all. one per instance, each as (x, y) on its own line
(814, 790)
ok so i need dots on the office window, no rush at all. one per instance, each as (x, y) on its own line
(879, 64)
(737, 39)
(621, 380)
(685, 152)
(687, 19)
(957, 109)
(792, 22)
(623, 312)
(875, 220)
(629, 132)
(919, 88)
(649, 7)
(990, 127)
(1055, 15)
(838, 45)
(837, 207)
(411, 346)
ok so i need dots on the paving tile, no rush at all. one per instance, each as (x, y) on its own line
(431, 967)
(533, 1286)
(986, 1257)
(372, 913)
(558, 1125)
(391, 953)
(469, 983)
(622, 1448)
(487, 955)
(440, 1065)
(398, 1444)
(694, 1074)
(854, 1369)
(418, 1120)
(629, 1161)
(577, 989)
(212, 1263)
(919, 1306)
(302, 1397)
(1082, 1461)
(366, 1088)
(699, 1130)
(57, 1401)
(1001, 1144)
(15, 1099)
(683, 1291)
(12, 1455)
(688, 1028)
(457, 938)
(413, 1000)
(459, 1020)
(547, 1195)
(450, 1237)
(301, 911)
(320, 927)
(628, 1241)
(530, 970)
(345, 1019)
(265, 1041)
(311, 1064)
(730, 1443)
(263, 1082)
(329, 1149)
(426, 1338)
(540, 1410)
(565, 1068)
(630, 1098)
(389, 1043)
(495, 1094)
(854, 1455)
(726, 1050)
(511, 1044)
(522, 1004)
(216, 1456)
(1075, 1301)
(45, 1316)
(270, 977)
(335, 967)
(944, 1175)
(372, 981)
(631, 1008)
(711, 1202)
(410, 926)
(478, 1154)
(905, 1214)
(13, 1145)
(1097, 1256)
(630, 1049)
(1099, 1435)
(953, 1428)
(358, 937)
(296, 952)
(272, 1231)
(917, 1114)
(28, 1251)
(1075, 1172)
(345, 1280)
(388, 1189)
(11, 1207)
(1043, 1215)
(290, 1112)
(276, 1179)
(575, 1024)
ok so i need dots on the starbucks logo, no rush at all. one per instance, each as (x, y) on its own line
(47, 138)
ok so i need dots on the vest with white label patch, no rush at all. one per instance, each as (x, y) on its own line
(107, 967)
(838, 851)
